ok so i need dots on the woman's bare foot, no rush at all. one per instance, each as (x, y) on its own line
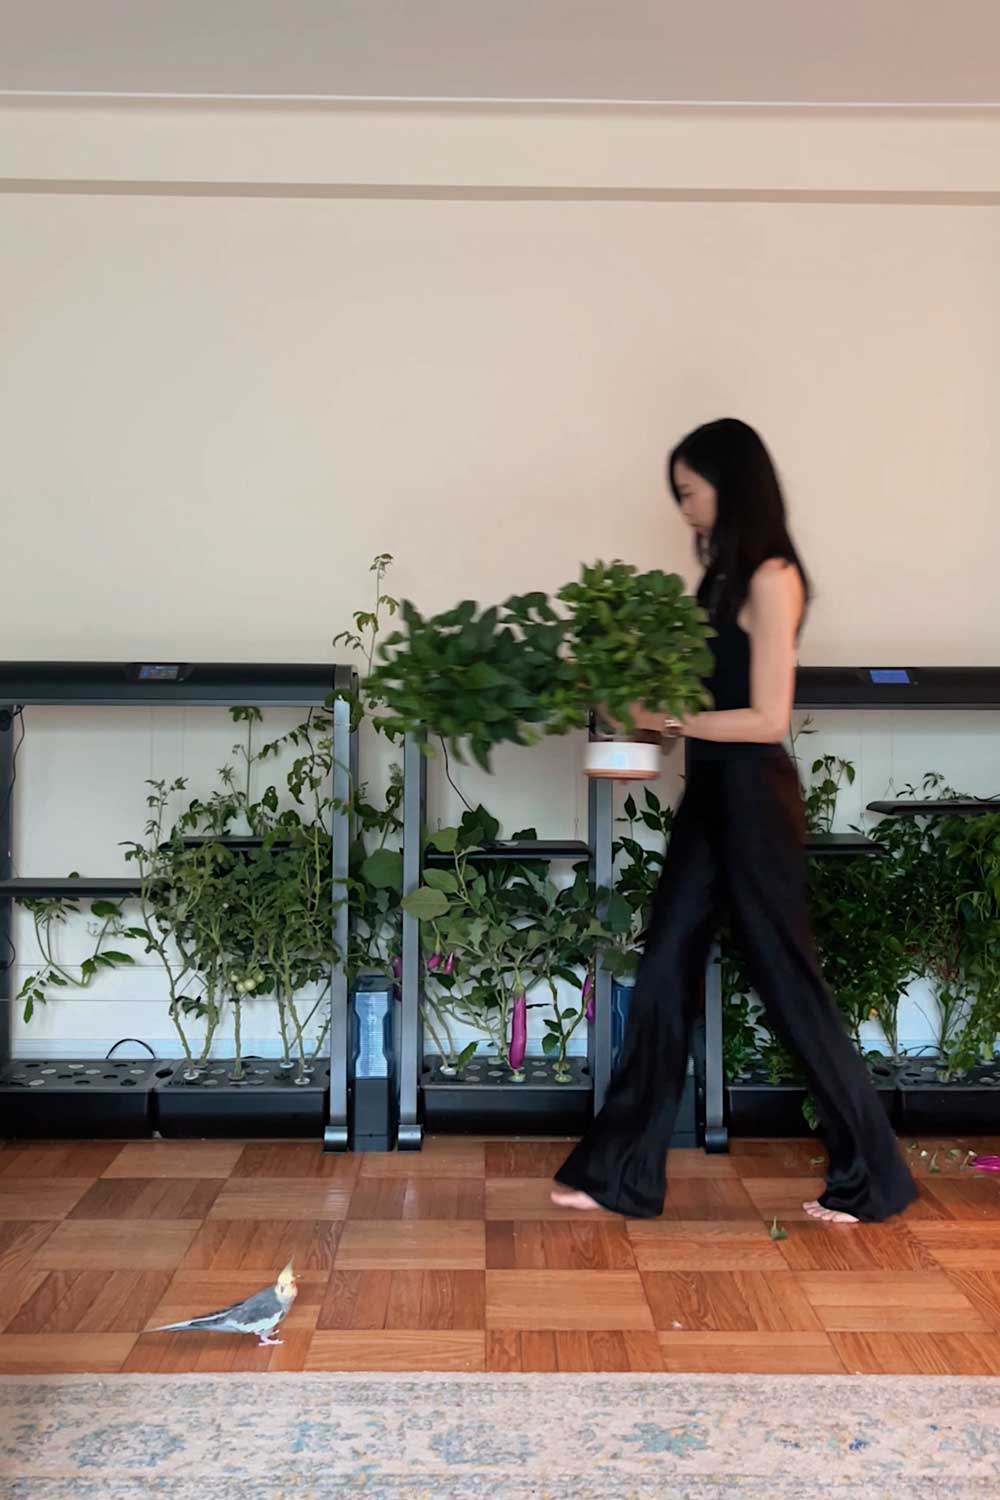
(815, 1210)
(568, 1198)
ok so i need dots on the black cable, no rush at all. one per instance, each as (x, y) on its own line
(138, 1042)
(15, 713)
(447, 772)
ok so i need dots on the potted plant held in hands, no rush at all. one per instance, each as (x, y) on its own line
(532, 667)
(637, 641)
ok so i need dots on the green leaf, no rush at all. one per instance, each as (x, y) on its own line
(425, 904)
(383, 870)
(111, 955)
(550, 1044)
(444, 839)
(442, 880)
(618, 917)
(466, 1055)
(105, 909)
(778, 1231)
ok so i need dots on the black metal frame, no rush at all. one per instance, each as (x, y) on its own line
(838, 688)
(597, 850)
(929, 688)
(219, 685)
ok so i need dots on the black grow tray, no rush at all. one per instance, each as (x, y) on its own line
(757, 1107)
(484, 1101)
(267, 1102)
(92, 1097)
(935, 1104)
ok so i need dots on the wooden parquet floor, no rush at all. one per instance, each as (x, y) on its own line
(454, 1259)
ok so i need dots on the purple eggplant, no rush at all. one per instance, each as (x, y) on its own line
(587, 999)
(518, 1033)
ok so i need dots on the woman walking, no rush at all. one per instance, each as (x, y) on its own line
(736, 845)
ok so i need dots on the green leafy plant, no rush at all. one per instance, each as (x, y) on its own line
(501, 933)
(376, 882)
(365, 636)
(636, 638)
(236, 894)
(475, 677)
(638, 868)
(518, 671)
(970, 849)
(49, 914)
(944, 884)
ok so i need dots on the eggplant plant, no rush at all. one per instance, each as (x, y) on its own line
(503, 936)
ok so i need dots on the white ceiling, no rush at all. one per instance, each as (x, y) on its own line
(705, 51)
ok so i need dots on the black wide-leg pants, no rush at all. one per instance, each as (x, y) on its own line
(736, 846)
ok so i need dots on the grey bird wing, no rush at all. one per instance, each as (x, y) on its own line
(262, 1307)
(259, 1310)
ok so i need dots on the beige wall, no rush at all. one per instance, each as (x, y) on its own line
(226, 381)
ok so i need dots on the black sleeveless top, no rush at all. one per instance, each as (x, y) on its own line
(729, 682)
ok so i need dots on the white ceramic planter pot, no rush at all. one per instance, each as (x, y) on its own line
(623, 760)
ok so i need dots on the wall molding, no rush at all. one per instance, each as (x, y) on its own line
(429, 192)
(511, 151)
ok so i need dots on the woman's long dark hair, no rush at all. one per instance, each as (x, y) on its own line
(750, 526)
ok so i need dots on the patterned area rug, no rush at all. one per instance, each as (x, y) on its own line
(508, 1437)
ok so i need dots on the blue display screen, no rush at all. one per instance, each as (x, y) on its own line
(151, 672)
(890, 676)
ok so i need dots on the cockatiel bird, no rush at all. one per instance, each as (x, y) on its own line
(260, 1314)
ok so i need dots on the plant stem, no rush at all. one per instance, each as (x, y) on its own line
(445, 1057)
(238, 1039)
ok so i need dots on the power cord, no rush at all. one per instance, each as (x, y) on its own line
(138, 1042)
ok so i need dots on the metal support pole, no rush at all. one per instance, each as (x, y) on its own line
(716, 1134)
(411, 1132)
(345, 752)
(7, 733)
(600, 834)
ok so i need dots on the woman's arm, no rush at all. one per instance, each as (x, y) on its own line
(773, 612)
